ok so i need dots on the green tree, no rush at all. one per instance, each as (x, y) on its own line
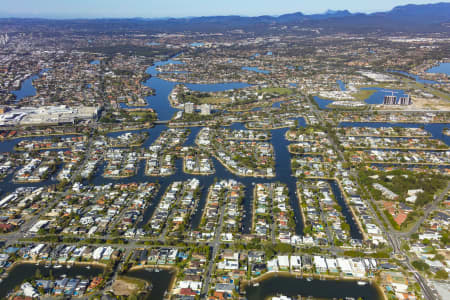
(441, 274)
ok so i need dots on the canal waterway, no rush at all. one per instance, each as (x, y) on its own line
(415, 77)
(341, 85)
(283, 167)
(443, 68)
(159, 280)
(24, 272)
(27, 88)
(322, 289)
(255, 69)
(376, 98)
(159, 102)
(286, 285)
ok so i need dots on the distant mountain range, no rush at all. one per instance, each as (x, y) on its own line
(401, 18)
(408, 18)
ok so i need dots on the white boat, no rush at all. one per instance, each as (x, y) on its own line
(281, 297)
(360, 282)
(256, 284)
(57, 266)
(88, 267)
(309, 279)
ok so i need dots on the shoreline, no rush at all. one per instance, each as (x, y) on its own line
(395, 122)
(43, 262)
(269, 275)
(164, 267)
(406, 163)
(355, 218)
(128, 129)
(267, 128)
(400, 148)
(361, 228)
(299, 199)
(37, 135)
(390, 136)
(212, 172)
(254, 209)
(241, 175)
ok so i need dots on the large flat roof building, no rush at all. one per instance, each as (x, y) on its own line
(47, 115)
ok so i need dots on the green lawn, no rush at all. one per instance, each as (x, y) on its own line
(279, 91)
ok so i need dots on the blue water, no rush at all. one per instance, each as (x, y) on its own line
(375, 98)
(153, 44)
(159, 103)
(8, 145)
(299, 68)
(277, 104)
(283, 174)
(443, 68)
(322, 103)
(255, 69)
(27, 89)
(95, 62)
(269, 53)
(197, 44)
(378, 96)
(341, 85)
(23, 272)
(417, 78)
(293, 287)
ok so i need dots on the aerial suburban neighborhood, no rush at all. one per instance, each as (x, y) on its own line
(289, 157)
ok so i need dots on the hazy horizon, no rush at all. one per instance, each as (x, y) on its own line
(98, 9)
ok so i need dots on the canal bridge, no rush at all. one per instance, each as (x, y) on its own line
(161, 122)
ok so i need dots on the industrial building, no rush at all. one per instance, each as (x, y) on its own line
(61, 114)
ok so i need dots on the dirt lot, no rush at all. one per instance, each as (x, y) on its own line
(124, 288)
(420, 104)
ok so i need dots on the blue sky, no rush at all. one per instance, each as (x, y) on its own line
(183, 8)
